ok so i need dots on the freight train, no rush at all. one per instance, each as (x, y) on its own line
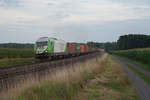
(46, 47)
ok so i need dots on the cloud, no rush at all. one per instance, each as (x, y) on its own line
(79, 11)
(69, 18)
(9, 3)
(107, 12)
(14, 17)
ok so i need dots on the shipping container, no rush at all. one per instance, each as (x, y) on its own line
(72, 48)
(87, 48)
(59, 46)
(78, 48)
(82, 48)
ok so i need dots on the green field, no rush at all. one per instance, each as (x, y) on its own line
(16, 53)
(139, 56)
(9, 57)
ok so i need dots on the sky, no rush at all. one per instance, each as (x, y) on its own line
(24, 21)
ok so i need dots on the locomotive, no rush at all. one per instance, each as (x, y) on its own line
(47, 47)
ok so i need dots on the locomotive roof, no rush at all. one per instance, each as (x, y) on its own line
(41, 39)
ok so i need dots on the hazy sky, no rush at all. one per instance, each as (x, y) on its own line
(72, 20)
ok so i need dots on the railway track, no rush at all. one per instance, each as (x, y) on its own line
(10, 76)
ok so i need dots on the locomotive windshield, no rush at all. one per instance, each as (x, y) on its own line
(39, 44)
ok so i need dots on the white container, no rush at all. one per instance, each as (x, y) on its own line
(59, 46)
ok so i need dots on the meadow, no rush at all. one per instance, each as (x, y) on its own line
(137, 55)
(12, 56)
(16, 53)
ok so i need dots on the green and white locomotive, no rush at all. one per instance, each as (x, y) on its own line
(49, 47)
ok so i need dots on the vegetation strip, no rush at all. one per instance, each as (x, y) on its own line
(16, 53)
(17, 61)
(12, 56)
(110, 83)
(138, 55)
(99, 78)
(139, 64)
(140, 74)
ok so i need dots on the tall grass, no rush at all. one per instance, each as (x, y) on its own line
(141, 55)
(97, 79)
(16, 53)
(63, 84)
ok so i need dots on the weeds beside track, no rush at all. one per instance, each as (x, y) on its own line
(10, 76)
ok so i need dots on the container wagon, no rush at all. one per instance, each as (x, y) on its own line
(78, 49)
(86, 48)
(82, 48)
(71, 49)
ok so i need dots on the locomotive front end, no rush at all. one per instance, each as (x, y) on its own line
(41, 47)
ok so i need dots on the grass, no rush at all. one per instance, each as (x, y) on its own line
(138, 56)
(11, 57)
(110, 84)
(140, 74)
(139, 64)
(97, 79)
(16, 53)
(144, 66)
(15, 61)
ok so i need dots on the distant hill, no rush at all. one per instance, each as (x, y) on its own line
(16, 45)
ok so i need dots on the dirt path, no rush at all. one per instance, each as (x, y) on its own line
(141, 86)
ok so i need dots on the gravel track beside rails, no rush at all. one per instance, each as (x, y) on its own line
(10, 76)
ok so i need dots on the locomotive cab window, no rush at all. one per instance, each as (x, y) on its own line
(39, 44)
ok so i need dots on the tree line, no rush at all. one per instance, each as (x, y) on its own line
(125, 42)
(133, 41)
(16, 45)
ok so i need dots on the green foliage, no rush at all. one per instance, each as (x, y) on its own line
(96, 45)
(114, 85)
(12, 62)
(16, 53)
(87, 75)
(141, 55)
(84, 88)
(55, 91)
(110, 46)
(126, 42)
(51, 91)
(16, 45)
(133, 41)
